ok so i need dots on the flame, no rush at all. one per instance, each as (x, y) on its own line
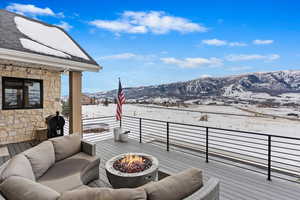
(129, 160)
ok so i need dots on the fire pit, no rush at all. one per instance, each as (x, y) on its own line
(131, 170)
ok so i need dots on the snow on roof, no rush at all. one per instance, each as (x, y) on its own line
(49, 36)
(34, 46)
(33, 38)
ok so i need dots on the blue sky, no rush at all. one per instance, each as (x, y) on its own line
(154, 42)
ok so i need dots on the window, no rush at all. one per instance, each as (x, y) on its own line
(19, 93)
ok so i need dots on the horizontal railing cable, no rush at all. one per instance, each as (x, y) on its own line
(273, 155)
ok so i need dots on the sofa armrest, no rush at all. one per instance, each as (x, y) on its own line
(175, 187)
(16, 187)
(209, 191)
(2, 197)
(88, 148)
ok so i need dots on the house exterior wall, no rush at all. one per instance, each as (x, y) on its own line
(20, 125)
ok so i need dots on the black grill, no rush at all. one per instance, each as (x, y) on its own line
(55, 125)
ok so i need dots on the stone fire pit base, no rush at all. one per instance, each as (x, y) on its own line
(119, 179)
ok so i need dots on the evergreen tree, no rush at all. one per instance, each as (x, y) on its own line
(106, 103)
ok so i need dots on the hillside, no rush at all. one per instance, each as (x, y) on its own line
(279, 85)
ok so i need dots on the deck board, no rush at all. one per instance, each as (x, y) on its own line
(236, 183)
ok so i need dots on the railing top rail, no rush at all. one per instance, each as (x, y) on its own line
(215, 128)
(102, 117)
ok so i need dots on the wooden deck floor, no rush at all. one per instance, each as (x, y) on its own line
(236, 183)
(14, 149)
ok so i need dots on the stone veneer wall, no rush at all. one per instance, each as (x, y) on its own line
(19, 125)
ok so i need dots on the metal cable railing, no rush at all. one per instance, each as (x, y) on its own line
(271, 155)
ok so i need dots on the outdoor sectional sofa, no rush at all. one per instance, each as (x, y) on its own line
(61, 168)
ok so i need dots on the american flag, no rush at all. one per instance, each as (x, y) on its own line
(120, 101)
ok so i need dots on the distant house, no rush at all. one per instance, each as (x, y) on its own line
(33, 56)
(86, 100)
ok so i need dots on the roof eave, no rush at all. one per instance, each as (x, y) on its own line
(63, 64)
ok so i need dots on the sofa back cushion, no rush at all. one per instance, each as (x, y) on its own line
(41, 158)
(18, 166)
(104, 194)
(2, 168)
(19, 188)
(66, 146)
(175, 187)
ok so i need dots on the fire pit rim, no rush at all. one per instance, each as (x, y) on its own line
(112, 170)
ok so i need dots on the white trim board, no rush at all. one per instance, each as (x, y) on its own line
(50, 62)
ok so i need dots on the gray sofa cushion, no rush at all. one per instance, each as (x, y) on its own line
(18, 166)
(104, 194)
(67, 174)
(41, 157)
(175, 187)
(66, 146)
(19, 188)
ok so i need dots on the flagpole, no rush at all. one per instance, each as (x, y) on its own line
(121, 115)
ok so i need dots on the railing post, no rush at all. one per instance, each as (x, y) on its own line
(269, 157)
(168, 136)
(120, 123)
(206, 151)
(140, 130)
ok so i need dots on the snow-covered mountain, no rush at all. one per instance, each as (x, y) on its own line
(252, 86)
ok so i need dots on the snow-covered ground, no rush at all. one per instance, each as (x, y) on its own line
(269, 125)
(280, 111)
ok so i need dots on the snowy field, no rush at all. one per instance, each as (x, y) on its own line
(268, 125)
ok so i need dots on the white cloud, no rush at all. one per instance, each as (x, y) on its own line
(60, 14)
(273, 57)
(262, 42)
(214, 42)
(156, 22)
(218, 42)
(247, 57)
(29, 9)
(65, 25)
(237, 44)
(121, 56)
(127, 56)
(193, 62)
(118, 26)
